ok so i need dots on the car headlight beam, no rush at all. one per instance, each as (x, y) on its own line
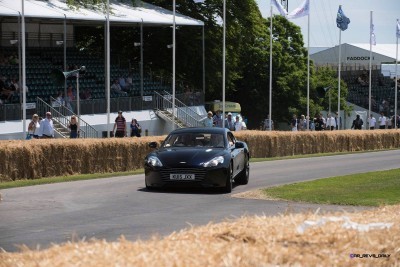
(214, 162)
(154, 161)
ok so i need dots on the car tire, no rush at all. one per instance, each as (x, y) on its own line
(245, 173)
(148, 187)
(229, 184)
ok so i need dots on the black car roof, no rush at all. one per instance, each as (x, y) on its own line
(201, 130)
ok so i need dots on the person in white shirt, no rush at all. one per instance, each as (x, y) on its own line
(229, 123)
(46, 127)
(238, 124)
(330, 123)
(209, 122)
(382, 121)
(372, 122)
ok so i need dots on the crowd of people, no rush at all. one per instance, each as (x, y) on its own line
(383, 122)
(330, 123)
(217, 120)
(43, 128)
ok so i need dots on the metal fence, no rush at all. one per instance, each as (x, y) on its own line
(10, 112)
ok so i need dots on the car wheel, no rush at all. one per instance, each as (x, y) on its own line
(245, 173)
(148, 187)
(229, 185)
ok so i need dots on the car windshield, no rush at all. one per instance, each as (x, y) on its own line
(194, 140)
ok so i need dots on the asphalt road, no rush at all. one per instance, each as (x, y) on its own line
(111, 207)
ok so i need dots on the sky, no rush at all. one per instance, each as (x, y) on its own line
(323, 29)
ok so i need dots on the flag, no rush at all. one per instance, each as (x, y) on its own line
(280, 8)
(301, 11)
(341, 20)
(372, 33)
(398, 29)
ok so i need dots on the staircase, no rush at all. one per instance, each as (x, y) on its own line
(185, 116)
(61, 116)
(167, 116)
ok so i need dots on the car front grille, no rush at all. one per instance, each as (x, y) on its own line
(199, 174)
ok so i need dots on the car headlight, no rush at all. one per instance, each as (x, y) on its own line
(154, 161)
(214, 162)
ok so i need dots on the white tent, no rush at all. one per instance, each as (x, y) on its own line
(119, 12)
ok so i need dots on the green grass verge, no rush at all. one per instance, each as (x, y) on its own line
(61, 179)
(365, 189)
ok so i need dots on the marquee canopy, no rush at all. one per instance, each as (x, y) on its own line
(119, 12)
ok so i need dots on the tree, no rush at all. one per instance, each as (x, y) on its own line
(247, 58)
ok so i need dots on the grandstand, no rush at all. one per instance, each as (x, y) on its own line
(48, 22)
(354, 64)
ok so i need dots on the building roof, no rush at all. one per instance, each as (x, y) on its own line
(388, 50)
(119, 12)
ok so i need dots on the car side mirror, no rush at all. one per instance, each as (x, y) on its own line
(153, 144)
(239, 145)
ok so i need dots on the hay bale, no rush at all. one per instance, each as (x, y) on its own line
(247, 241)
(35, 159)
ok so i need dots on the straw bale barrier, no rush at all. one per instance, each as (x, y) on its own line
(247, 241)
(278, 144)
(35, 159)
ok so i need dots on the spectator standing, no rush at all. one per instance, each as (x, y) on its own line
(357, 123)
(371, 122)
(73, 126)
(209, 122)
(229, 123)
(267, 123)
(239, 124)
(34, 127)
(389, 122)
(293, 123)
(330, 123)
(120, 125)
(338, 121)
(218, 119)
(302, 123)
(46, 127)
(382, 121)
(319, 123)
(136, 129)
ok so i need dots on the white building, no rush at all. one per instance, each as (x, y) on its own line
(356, 56)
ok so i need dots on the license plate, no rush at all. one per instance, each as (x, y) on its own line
(187, 177)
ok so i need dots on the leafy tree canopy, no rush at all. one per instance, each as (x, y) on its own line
(247, 57)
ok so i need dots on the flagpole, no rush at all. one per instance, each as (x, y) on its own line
(108, 92)
(23, 71)
(370, 68)
(339, 74)
(223, 65)
(270, 76)
(395, 83)
(173, 64)
(308, 74)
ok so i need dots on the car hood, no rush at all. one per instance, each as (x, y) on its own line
(187, 157)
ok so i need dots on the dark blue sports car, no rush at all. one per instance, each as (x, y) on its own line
(206, 157)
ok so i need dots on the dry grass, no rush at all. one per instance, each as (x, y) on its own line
(248, 241)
